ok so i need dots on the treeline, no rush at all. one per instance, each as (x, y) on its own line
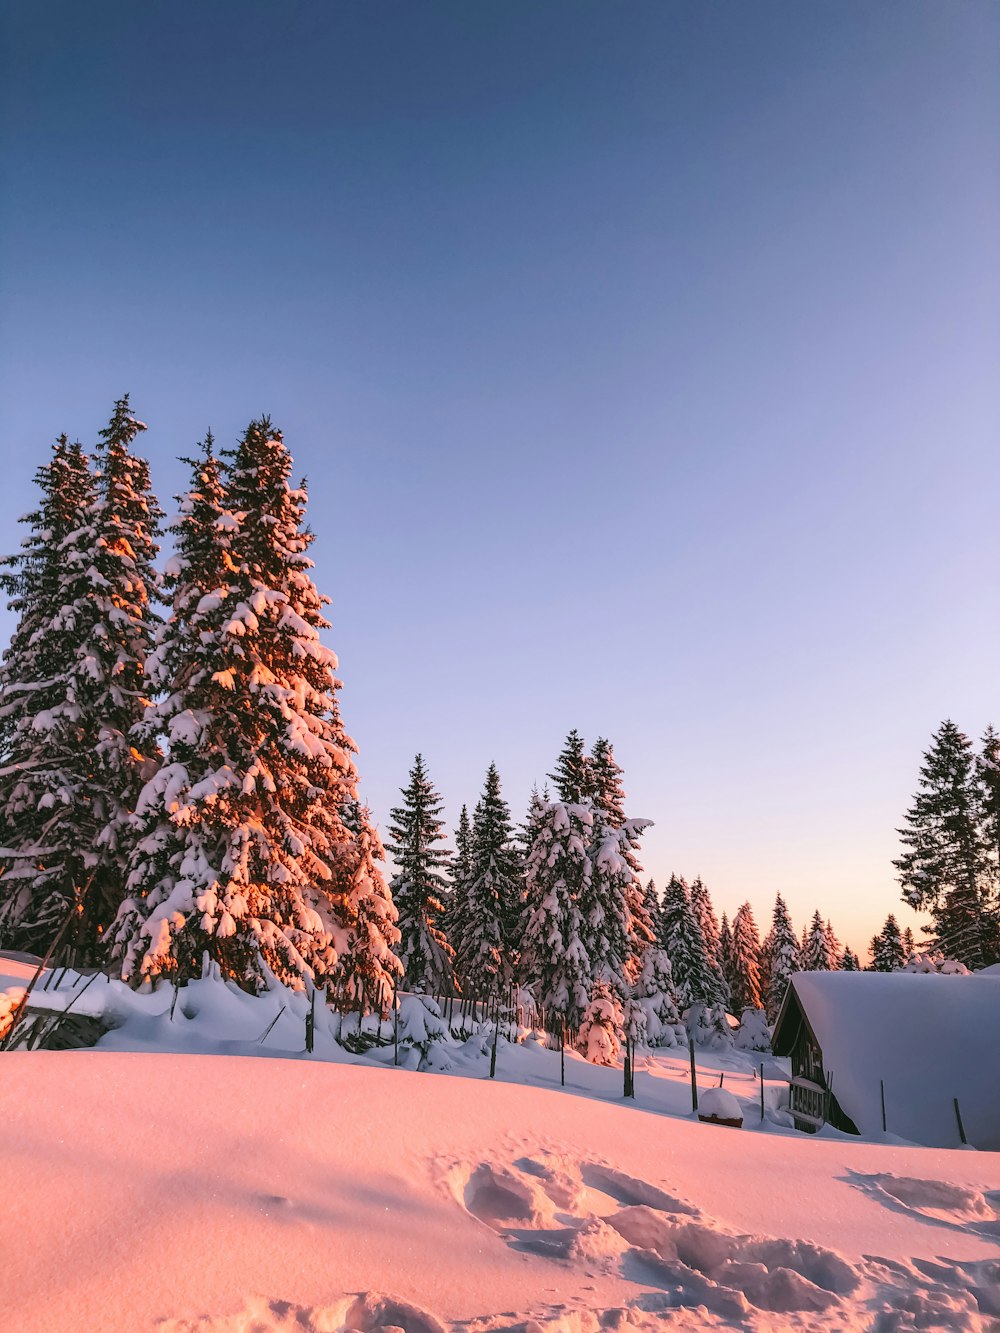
(176, 782)
(557, 907)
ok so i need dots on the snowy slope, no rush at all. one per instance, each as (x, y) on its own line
(255, 1194)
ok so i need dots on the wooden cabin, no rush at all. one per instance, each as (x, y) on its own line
(914, 1056)
(811, 1098)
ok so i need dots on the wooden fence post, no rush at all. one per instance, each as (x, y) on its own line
(694, 1079)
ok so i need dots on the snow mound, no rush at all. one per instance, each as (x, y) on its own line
(720, 1103)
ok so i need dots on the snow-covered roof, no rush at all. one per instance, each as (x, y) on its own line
(929, 1038)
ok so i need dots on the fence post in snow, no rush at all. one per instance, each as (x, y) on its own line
(694, 1080)
(961, 1127)
(881, 1086)
(762, 1094)
(311, 1021)
(395, 1022)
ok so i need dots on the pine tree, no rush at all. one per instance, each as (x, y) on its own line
(849, 960)
(98, 633)
(887, 948)
(45, 747)
(651, 905)
(571, 778)
(816, 954)
(608, 794)
(945, 866)
(832, 946)
(682, 940)
(654, 991)
(783, 956)
(745, 974)
(600, 1035)
(909, 947)
(367, 965)
(701, 905)
(616, 936)
(493, 894)
(245, 848)
(454, 921)
(604, 780)
(554, 959)
(725, 947)
(987, 795)
(420, 880)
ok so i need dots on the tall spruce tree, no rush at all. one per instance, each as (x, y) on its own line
(555, 961)
(783, 955)
(817, 955)
(454, 918)
(45, 745)
(98, 636)
(887, 949)
(244, 851)
(493, 894)
(849, 960)
(944, 868)
(607, 789)
(368, 936)
(744, 978)
(682, 940)
(416, 832)
(611, 902)
(572, 778)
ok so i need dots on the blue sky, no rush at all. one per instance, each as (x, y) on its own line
(641, 359)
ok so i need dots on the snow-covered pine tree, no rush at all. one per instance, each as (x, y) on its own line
(367, 966)
(97, 641)
(616, 937)
(887, 949)
(833, 946)
(246, 850)
(725, 947)
(651, 904)
(944, 868)
(654, 991)
(493, 895)
(571, 778)
(816, 954)
(44, 748)
(682, 940)
(453, 919)
(745, 973)
(849, 960)
(783, 956)
(605, 776)
(555, 962)
(701, 906)
(421, 865)
(909, 946)
(987, 794)
(600, 1036)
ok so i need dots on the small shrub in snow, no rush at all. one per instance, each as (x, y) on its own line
(654, 992)
(753, 1033)
(420, 1023)
(601, 1029)
(708, 1027)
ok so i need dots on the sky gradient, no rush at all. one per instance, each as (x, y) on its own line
(642, 360)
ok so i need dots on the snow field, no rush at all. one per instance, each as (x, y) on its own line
(180, 1192)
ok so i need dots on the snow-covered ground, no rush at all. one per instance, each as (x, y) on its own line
(149, 1188)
